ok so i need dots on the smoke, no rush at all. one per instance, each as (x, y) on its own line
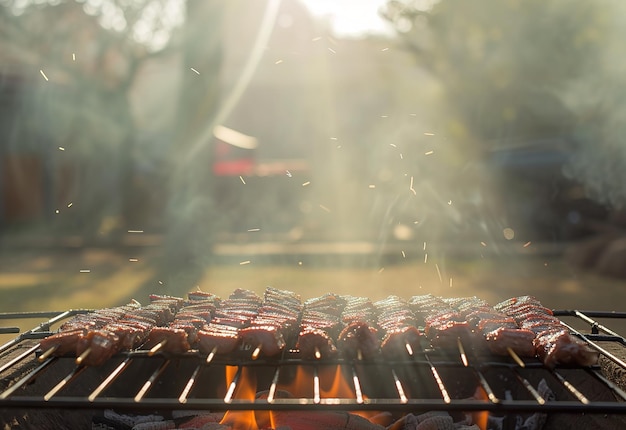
(598, 100)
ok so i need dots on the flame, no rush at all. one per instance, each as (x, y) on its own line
(245, 390)
(480, 418)
(338, 386)
(327, 383)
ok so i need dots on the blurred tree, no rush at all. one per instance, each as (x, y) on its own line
(190, 213)
(91, 53)
(504, 66)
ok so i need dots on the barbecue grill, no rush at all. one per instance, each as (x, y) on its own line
(429, 380)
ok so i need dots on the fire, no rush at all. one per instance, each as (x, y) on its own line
(243, 388)
(339, 387)
(480, 418)
(324, 383)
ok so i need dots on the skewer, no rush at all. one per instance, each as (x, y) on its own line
(228, 398)
(316, 387)
(150, 381)
(462, 352)
(108, 380)
(515, 357)
(318, 354)
(256, 352)
(399, 387)
(157, 347)
(532, 390)
(272, 391)
(409, 349)
(357, 387)
(84, 355)
(439, 381)
(189, 386)
(47, 353)
(580, 396)
(63, 383)
(211, 355)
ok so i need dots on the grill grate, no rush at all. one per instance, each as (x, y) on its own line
(428, 380)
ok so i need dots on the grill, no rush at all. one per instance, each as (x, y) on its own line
(428, 380)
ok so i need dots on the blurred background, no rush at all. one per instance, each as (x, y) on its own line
(360, 147)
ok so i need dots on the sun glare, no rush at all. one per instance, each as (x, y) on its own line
(351, 17)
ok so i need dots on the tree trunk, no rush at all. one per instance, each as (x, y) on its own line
(188, 241)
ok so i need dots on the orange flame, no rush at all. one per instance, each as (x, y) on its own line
(245, 390)
(330, 382)
(480, 418)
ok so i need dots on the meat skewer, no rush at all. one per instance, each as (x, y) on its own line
(398, 322)
(182, 332)
(319, 325)
(359, 337)
(276, 320)
(555, 345)
(221, 335)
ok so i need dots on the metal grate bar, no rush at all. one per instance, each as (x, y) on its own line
(44, 326)
(19, 358)
(604, 352)
(617, 390)
(19, 384)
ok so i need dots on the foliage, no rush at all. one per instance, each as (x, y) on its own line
(504, 65)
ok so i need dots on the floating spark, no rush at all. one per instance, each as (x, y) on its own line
(194, 70)
(43, 74)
